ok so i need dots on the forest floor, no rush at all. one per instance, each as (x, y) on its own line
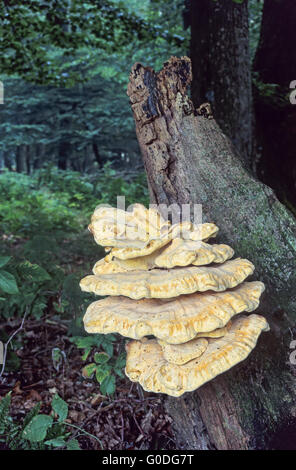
(130, 419)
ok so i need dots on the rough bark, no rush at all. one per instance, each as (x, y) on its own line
(189, 160)
(221, 67)
(275, 63)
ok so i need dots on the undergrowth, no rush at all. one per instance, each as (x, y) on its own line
(46, 249)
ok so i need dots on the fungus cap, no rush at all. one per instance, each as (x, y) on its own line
(116, 265)
(146, 363)
(197, 232)
(184, 252)
(189, 231)
(217, 333)
(175, 320)
(160, 283)
(116, 227)
(177, 253)
(181, 353)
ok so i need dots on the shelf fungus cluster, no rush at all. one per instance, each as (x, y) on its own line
(179, 298)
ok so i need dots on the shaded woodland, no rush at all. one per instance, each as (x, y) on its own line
(69, 142)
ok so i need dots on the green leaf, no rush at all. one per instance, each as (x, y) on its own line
(110, 337)
(120, 361)
(73, 445)
(85, 354)
(60, 407)
(8, 283)
(33, 412)
(119, 372)
(108, 385)
(108, 347)
(36, 430)
(57, 442)
(101, 358)
(102, 372)
(89, 369)
(34, 272)
(4, 260)
(4, 409)
(85, 341)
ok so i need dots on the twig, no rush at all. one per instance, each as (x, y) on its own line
(84, 432)
(97, 412)
(40, 382)
(9, 341)
(103, 408)
(122, 427)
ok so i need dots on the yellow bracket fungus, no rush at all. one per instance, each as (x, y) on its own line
(169, 282)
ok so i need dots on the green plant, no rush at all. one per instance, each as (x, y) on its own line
(59, 202)
(37, 431)
(105, 366)
(47, 249)
(8, 283)
(33, 282)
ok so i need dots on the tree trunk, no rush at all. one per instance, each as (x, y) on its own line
(221, 67)
(7, 160)
(88, 159)
(28, 158)
(20, 157)
(189, 160)
(275, 65)
(64, 155)
(97, 154)
(39, 156)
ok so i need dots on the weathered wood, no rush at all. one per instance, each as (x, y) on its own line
(189, 160)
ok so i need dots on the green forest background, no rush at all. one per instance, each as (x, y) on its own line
(68, 143)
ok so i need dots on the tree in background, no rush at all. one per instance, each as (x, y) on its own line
(221, 67)
(65, 98)
(274, 70)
